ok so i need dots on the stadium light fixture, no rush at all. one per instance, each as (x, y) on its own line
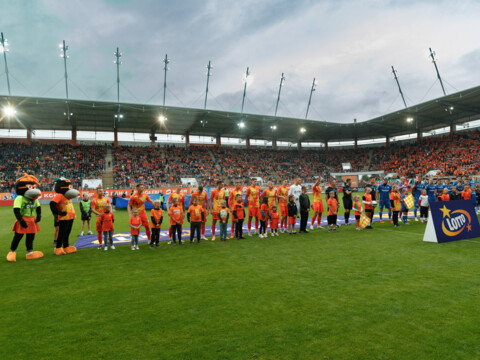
(9, 111)
(241, 125)
(451, 108)
(303, 130)
(162, 118)
(273, 127)
(409, 119)
(120, 116)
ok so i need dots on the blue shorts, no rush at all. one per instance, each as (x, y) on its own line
(430, 200)
(417, 205)
(385, 203)
(404, 209)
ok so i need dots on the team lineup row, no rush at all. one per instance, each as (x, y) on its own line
(293, 202)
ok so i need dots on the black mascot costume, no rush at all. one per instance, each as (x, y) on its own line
(28, 213)
(62, 209)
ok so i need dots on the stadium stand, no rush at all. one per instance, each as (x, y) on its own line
(48, 162)
(164, 166)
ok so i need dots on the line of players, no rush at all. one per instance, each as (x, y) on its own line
(442, 190)
(257, 212)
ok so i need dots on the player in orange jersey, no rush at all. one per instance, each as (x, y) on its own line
(137, 201)
(216, 197)
(253, 197)
(231, 202)
(271, 194)
(282, 195)
(98, 208)
(202, 199)
(317, 205)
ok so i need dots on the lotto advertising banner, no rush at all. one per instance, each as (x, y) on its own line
(451, 221)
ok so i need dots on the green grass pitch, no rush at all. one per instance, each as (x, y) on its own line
(379, 294)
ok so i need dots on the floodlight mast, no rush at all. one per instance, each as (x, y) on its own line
(432, 55)
(394, 72)
(117, 61)
(247, 74)
(63, 54)
(310, 98)
(165, 68)
(4, 43)
(209, 67)
(282, 79)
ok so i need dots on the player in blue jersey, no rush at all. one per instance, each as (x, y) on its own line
(471, 182)
(459, 185)
(448, 185)
(439, 188)
(431, 191)
(417, 191)
(383, 192)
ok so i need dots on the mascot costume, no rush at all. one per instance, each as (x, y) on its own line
(62, 208)
(28, 213)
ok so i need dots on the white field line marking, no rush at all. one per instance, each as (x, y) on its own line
(399, 232)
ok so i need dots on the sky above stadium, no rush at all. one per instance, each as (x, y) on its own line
(348, 46)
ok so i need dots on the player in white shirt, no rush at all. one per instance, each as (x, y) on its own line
(296, 191)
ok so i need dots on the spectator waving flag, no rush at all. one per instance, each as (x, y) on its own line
(409, 201)
(364, 221)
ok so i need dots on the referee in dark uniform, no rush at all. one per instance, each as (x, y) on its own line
(332, 187)
(347, 199)
(373, 192)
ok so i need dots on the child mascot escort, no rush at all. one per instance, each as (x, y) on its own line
(62, 208)
(28, 213)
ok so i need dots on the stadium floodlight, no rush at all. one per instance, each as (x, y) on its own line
(451, 108)
(241, 125)
(409, 119)
(303, 130)
(119, 116)
(71, 114)
(162, 118)
(273, 127)
(9, 111)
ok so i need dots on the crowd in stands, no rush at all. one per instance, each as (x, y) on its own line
(456, 155)
(135, 164)
(48, 162)
(165, 166)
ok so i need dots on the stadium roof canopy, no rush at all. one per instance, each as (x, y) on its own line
(50, 114)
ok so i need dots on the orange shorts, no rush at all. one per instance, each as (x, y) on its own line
(254, 212)
(144, 219)
(32, 227)
(215, 216)
(283, 210)
(98, 225)
(318, 207)
(292, 220)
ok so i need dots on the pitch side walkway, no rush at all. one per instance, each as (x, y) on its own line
(90, 241)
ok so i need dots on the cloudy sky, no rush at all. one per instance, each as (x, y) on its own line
(348, 46)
